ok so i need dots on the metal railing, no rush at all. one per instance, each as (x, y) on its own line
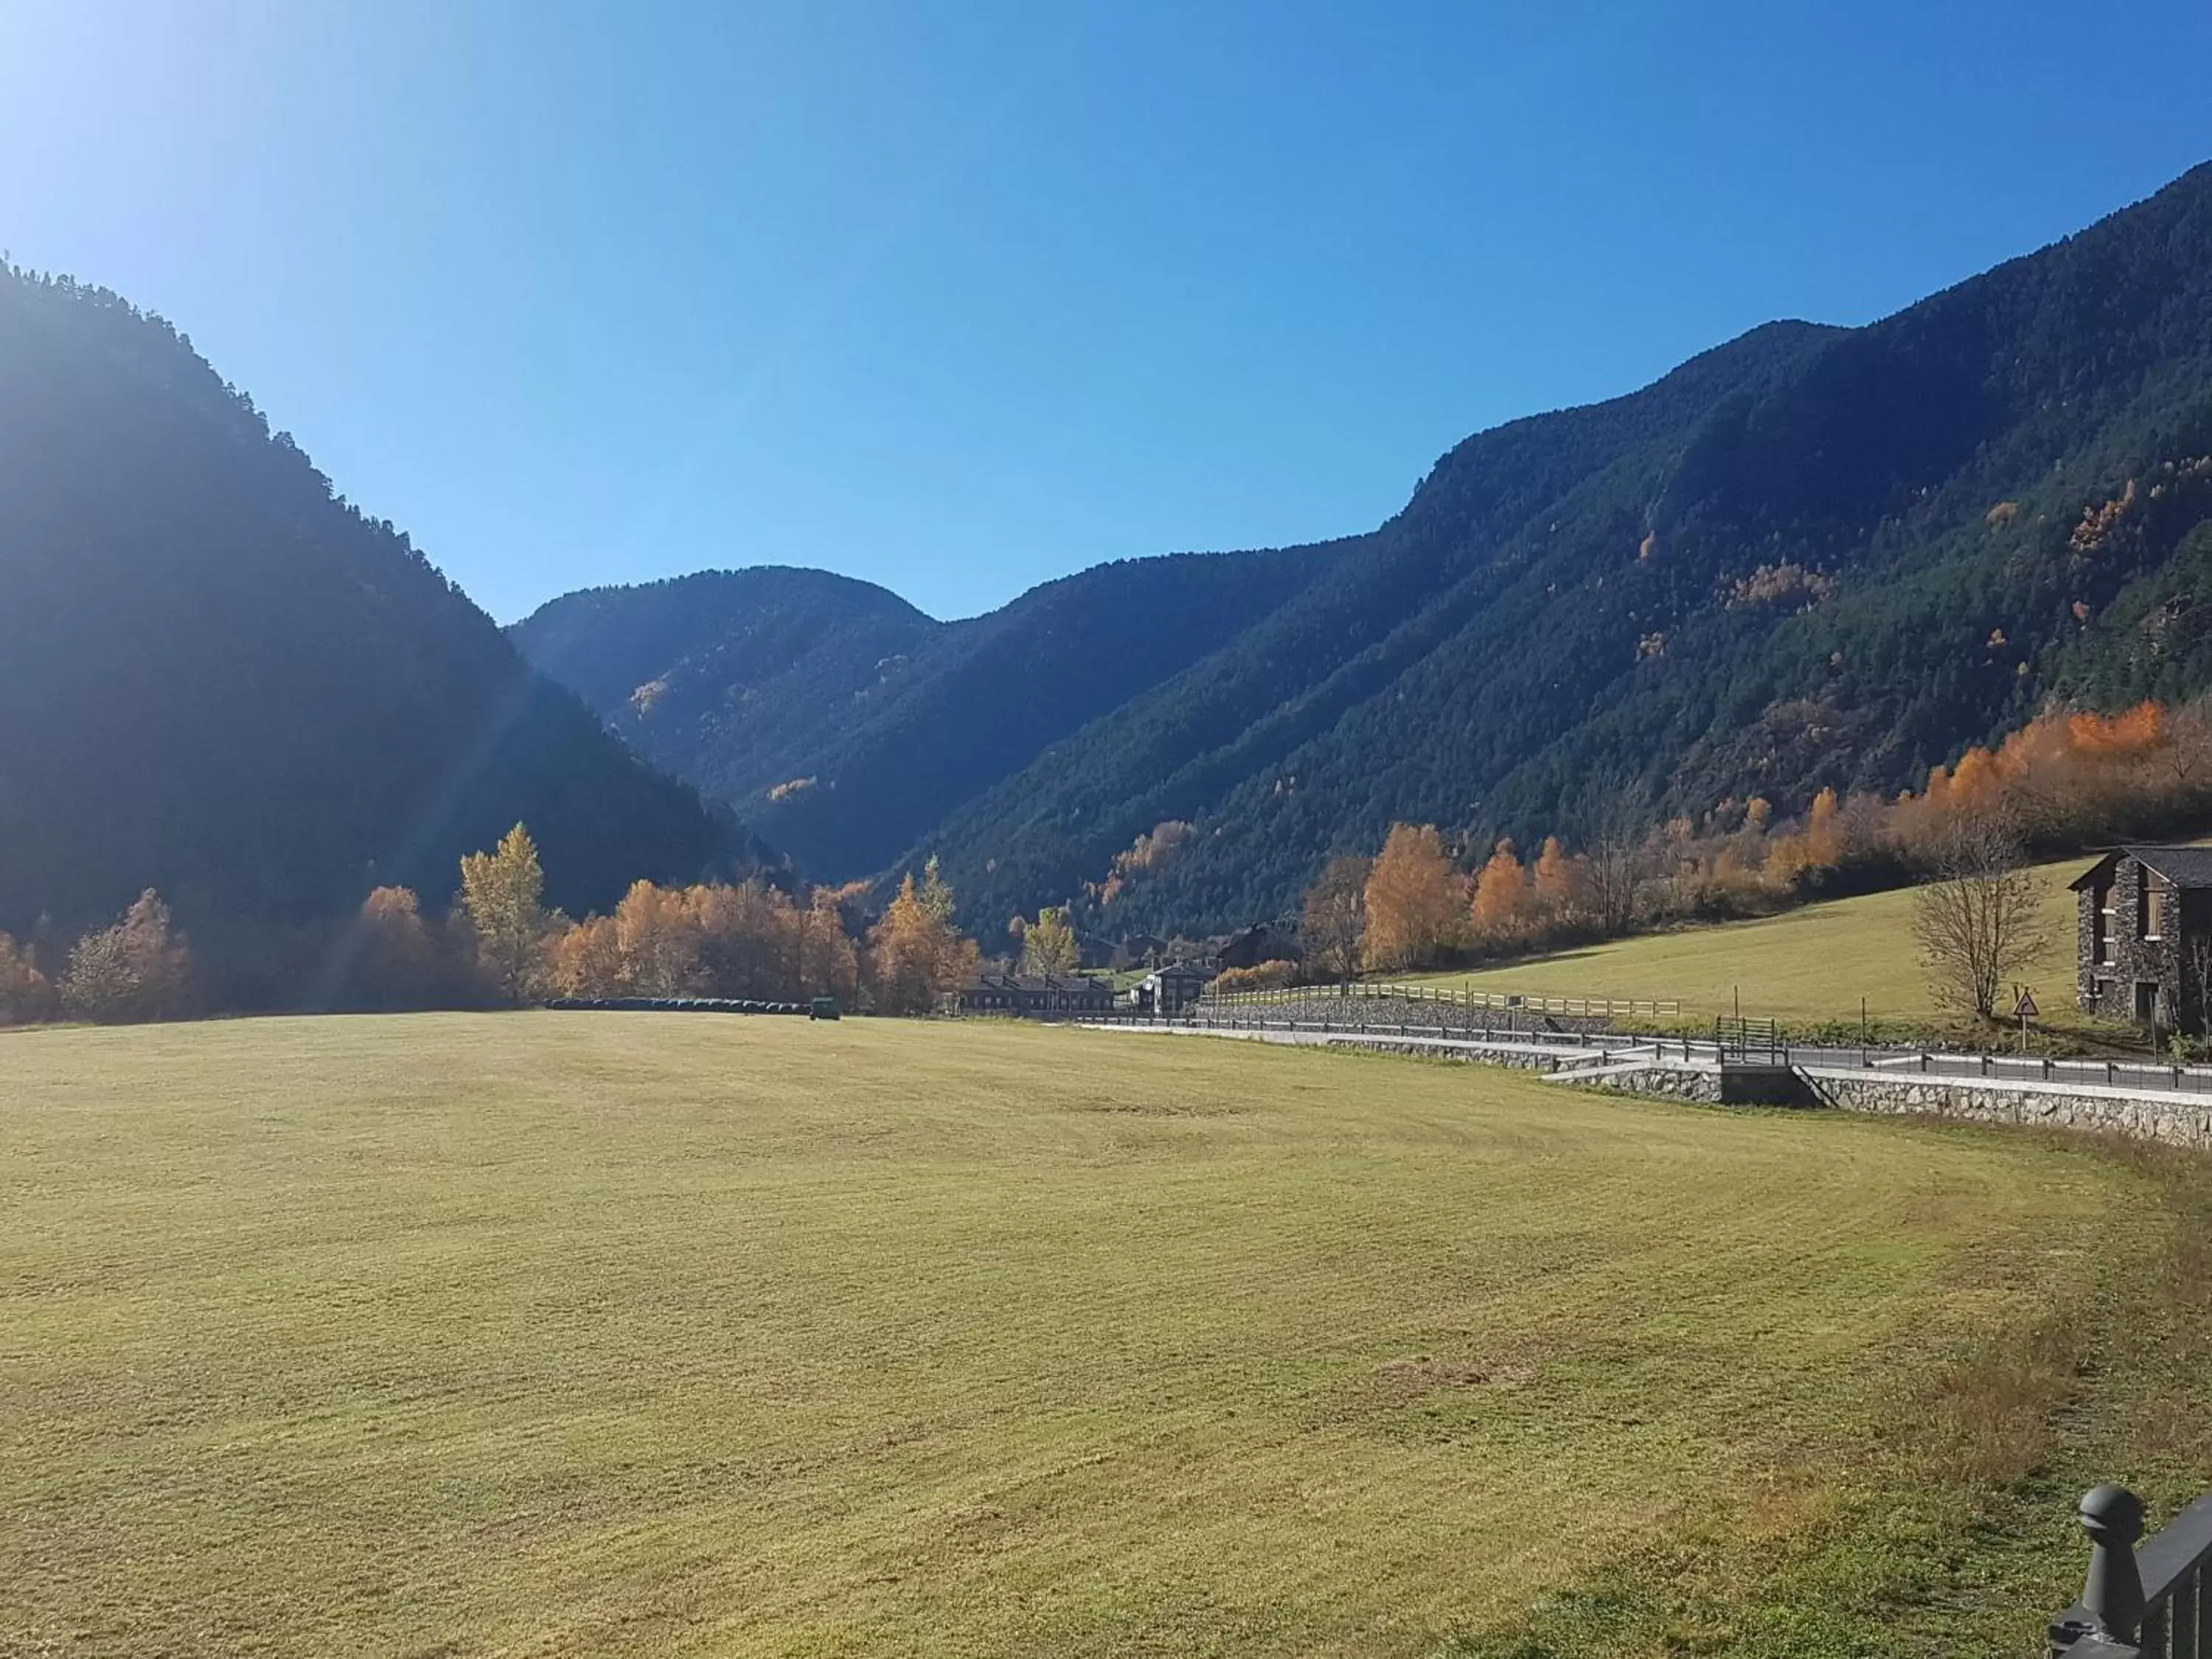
(2147, 1603)
(1756, 1041)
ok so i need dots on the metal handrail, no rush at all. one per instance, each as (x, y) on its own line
(2147, 1603)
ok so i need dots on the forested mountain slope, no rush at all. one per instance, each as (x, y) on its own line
(1813, 556)
(220, 680)
(844, 724)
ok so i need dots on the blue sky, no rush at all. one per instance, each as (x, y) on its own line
(958, 298)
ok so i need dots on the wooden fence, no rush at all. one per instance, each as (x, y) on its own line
(1482, 1001)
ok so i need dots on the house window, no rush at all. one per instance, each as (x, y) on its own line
(2153, 910)
(2100, 927)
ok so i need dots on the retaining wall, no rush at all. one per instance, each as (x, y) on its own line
(2178, 1121)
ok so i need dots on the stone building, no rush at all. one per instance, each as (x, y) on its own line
(2144, 936)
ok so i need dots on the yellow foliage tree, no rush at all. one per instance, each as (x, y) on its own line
(1415, 898)
(915, 954)
(656, 939)
(502, 892)
(828, 963)
(1049, 945)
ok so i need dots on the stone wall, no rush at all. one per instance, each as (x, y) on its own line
(2178, 1122)
(2108, 988)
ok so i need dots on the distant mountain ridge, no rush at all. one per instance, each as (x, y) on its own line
(220, 679)
(1812, 557)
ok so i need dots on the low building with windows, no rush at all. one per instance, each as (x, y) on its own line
(2144, 945)
(1166, 992)
(1036, 996)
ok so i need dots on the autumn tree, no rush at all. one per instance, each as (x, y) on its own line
(935, 893)
(1980, 921)
(828, 965)
(396, 959)
(502, 892)
(1559, 880)
(915, 954)
(1414, 896)
(1049, 945)
(585, 960)
(748, 946)
(1824, 832)
(1501, 894)
(1336, 922)
(138, 969)
(25, 993)
(657, 940)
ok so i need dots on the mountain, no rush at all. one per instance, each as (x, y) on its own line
(843, 723)
(219, 679)
(1813, 556)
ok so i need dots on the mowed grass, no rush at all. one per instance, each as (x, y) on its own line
(567, 1333)
(1807, 966)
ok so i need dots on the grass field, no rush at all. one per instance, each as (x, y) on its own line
(1807, 966)
(565, 1333)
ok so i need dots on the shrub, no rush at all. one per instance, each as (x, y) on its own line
(1263, 977)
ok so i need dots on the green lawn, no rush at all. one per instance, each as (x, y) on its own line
(569, 1334)
(1805, 966)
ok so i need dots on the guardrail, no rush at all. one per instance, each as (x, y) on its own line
(2147, 1603)
(2026, 1068)
(1749, 1041)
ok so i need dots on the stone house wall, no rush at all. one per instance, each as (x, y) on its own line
(2109, 988)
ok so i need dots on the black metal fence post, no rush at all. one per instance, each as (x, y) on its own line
(2111, 1602)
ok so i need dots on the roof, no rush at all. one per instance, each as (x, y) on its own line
(1035, 984)
(2180, 866)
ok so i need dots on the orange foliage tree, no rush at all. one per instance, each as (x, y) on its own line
(1415, 896)
(916, 955)
(1562, 883)
(1502, 895)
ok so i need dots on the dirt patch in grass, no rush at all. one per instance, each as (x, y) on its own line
(1399, 1382)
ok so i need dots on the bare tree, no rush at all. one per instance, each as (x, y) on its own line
(1613, 820)
(1615, 865)
(2186, 752)
(1335, 922)
(1981, 918)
